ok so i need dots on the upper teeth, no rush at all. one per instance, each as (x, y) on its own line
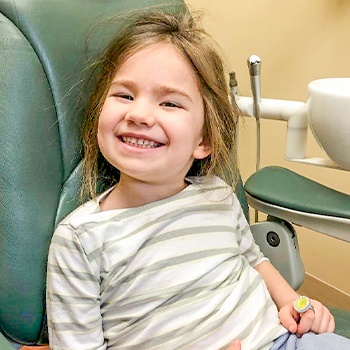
(140, 142)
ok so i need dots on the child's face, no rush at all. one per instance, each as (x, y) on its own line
(150, 126)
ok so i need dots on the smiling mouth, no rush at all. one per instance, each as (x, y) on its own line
(142, 143)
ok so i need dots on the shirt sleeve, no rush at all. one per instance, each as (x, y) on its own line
(73, 295)
(245, 238)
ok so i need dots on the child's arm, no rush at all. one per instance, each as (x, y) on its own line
(73, 295)
(283, 295)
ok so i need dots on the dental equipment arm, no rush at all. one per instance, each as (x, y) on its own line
(295, 114)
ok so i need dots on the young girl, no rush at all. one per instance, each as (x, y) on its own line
(164, 259)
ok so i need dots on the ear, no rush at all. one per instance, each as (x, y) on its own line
(202, 150)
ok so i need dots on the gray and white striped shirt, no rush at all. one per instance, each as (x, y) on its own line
(174, 274)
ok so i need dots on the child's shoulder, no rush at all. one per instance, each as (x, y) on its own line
(85, 213)
(79, 216)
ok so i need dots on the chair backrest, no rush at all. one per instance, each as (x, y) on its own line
(43, 53)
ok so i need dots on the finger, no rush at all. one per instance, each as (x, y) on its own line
(289, 319)
(324, 320)
(306, 321)
(327, 323)
(331, 325)
(319, 319)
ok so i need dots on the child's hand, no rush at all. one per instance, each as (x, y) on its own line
(318, 321)
(236, 345)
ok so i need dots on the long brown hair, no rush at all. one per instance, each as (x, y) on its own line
(184, 32)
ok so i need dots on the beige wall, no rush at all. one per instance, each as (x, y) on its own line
(298, 41)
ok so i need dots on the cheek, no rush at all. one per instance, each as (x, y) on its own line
(112, 113)
(102, 132)
(105, 122)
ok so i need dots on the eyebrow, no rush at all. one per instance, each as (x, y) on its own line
(161, 89)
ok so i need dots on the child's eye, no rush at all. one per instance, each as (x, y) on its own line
(170, 104)
(126, 97)
(123, 96)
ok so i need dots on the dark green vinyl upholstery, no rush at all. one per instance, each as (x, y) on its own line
(43, 52)
(285, 188)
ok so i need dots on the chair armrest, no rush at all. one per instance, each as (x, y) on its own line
(282, 193)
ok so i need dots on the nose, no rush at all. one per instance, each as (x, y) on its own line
(140, 113)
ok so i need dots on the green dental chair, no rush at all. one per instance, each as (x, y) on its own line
(44, 47)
